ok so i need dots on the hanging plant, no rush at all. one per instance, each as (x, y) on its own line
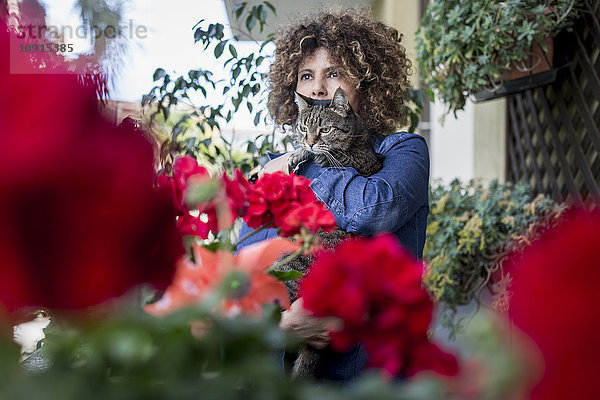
(463, 46)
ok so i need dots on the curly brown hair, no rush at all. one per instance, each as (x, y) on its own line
(369, 53)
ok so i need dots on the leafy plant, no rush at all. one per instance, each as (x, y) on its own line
(194, 128)
(195, 131)
(463, 45)
(472, 229)
(132, 356)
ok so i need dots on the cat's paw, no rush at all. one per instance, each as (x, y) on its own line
(296, 157)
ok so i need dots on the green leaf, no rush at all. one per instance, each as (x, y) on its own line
(430, 94)
(287, 275)
(250, 22)
(268, 4)
(249, 105)
(166, 112)
(238, 9)
(261, 13)
(198, 193)
(147, 98)
(219, 48)
(233, 51)
(236, 72)
(257, 118)
(158, 74)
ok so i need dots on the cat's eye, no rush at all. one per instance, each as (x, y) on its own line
(325, 130)
(303, 128)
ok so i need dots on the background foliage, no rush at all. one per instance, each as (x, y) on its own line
(471, 231)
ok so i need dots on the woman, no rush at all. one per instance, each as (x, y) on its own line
(365, 58)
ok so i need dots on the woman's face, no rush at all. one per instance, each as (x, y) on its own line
(318, 78)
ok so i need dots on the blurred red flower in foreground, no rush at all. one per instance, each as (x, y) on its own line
(210, 215)
(239, 282)
(289, 202)
(80, 221)
(555, 302)
(374, 286)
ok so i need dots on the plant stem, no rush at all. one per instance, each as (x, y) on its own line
(284, 261)
(250, 234)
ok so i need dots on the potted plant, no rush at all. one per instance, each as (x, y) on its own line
(465, 46)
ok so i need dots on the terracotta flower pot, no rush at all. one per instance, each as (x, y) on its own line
(537, 61)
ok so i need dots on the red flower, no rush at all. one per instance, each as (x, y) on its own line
(213, 213)
(556, 294)
(197, 281)
(80, 221)
(257, 211)
(194, 226)
(384, 305)
(289, 203)
(236, 190)
(311, 216)
(184, 169)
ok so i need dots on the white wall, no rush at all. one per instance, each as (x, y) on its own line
(452, 144)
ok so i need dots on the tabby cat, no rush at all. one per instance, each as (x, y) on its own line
(334, 136)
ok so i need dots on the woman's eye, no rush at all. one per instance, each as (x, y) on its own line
(326, 129)
(304, 77)
(334, 74)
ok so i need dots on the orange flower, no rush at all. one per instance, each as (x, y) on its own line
(238, 282)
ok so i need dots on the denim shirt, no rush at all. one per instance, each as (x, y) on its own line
(395, 200)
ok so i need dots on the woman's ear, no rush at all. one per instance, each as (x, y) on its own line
(302, 102)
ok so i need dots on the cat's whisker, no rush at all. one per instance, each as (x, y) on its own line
(334, 162)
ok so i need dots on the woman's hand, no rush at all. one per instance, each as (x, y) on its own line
(278, 164)
(313, 331)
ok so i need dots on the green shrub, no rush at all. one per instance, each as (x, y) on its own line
(471, 231)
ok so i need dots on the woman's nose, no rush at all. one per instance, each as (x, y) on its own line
(319, 89)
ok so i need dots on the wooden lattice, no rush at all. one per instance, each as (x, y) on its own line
(554, 130)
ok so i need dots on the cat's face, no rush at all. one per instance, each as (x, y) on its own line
(322, 128)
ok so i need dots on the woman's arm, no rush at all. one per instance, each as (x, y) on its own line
(383, 201)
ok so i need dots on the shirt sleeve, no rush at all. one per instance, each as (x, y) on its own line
(384, 201)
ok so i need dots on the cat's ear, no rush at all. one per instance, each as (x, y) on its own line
(302, 102)
(340, 102)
